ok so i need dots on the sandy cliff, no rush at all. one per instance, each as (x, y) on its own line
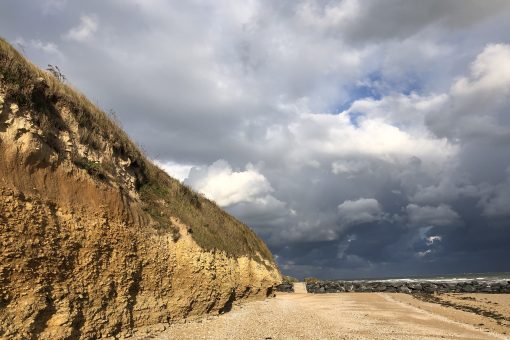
(95, 240)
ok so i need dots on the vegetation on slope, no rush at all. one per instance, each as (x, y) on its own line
(289, 279)
(161, 195)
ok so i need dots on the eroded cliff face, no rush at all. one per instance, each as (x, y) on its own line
(80, 257)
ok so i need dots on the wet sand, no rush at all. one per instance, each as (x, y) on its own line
(349, 316)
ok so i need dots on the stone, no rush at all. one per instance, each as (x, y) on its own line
(404, 289)
(468, 288)
(408, 287)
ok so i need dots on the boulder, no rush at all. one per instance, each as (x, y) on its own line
(404, 289)
(468, 288)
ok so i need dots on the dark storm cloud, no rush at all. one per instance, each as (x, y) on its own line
(376, 20)
(359, 138)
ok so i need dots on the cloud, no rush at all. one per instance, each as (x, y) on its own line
(478, 103)
(263, 213)
(490, 71)
(371, 21)
(343, 247)
(246, 194)
(334, 136)
(395, 111)
(408, 111)
(53, 6)
(424, 216)
(87, 27)
(496, 202)
(176, 170)
(362, 210)
(433, 239)
(424, 253)
(348, 166)
(47, 47)
(227, 187)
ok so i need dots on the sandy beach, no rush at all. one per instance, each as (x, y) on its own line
(354, 316)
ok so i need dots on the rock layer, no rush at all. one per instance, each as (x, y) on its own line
(285, 287)
(68, 274)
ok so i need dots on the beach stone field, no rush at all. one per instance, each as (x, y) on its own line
(285, 288)
(414, 287)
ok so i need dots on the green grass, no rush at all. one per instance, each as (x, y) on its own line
(161, 196)
(95, 169)
(209, 225)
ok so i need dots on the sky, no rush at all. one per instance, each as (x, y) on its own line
(358, 138)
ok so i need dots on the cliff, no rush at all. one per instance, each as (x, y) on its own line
(96, 240)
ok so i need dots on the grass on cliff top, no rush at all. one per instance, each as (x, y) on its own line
(208, 224)
(289, 279)
(162, 196)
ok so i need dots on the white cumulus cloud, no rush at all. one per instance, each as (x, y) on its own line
(176, 170)
(87, 27)
(226, 187)
(478, 104)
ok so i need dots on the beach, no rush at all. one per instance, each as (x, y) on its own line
(353, 316)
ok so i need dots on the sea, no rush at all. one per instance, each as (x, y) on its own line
(464, 277)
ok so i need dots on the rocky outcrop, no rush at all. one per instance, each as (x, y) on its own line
(95, 240)
(285, 287)
(68, 274)
(409, 287)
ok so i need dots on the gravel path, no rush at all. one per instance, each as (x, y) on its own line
(299, 288)
(328, 316)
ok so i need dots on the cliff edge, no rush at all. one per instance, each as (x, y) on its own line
(95, 239)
